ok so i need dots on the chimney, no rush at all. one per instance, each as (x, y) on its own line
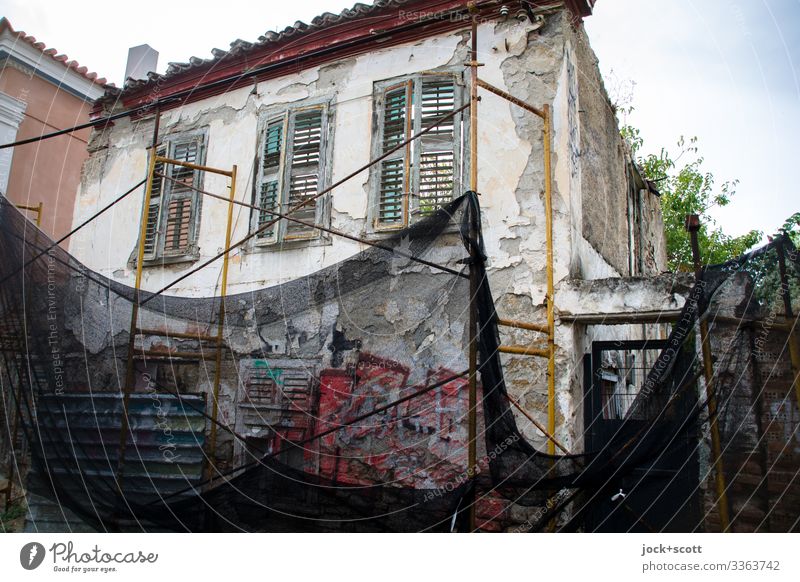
(141, 60)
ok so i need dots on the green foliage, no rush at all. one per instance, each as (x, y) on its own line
(11, 519)
(686, 188)
(792, 228)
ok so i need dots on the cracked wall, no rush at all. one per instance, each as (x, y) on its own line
(550, 65)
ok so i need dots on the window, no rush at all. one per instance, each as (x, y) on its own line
(173, 218)
(421, 177)
(292, 169)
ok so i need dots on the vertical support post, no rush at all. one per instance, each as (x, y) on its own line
(794, 349)
(551, 351)
(212, 445)
(472, 453)
(693, 226)
(10, 468)
(39, 210)
(130, 370)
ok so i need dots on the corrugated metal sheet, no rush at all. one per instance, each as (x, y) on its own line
(80, 436)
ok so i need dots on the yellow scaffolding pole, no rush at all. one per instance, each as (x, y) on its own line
(221, 323)
(134, 327)
(38, 209)
(137, 286)
(545, 114)
(472, 453)
(693, 225)
(548, 214)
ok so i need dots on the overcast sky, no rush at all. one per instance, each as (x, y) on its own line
(722, 70)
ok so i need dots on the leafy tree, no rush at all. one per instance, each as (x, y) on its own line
(792, 228)
(687, 189)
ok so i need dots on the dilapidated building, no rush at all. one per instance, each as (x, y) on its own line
(340, 91)
(269, 172)
(331, 95)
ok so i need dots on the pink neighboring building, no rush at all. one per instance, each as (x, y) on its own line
(42, 91)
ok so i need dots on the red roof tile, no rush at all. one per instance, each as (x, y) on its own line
(52, 53)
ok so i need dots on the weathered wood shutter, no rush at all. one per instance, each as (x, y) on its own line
(179, 230)
(436, 154)
(269, 186)
(304, 172)
(154, 210)
(392, 203)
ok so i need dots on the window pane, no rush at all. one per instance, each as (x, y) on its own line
(179, 217)
(437, 161)
(301, 188)
(304, 172)
(394, 118)
(307, 138)
(268, 200)
(392, 189)
(438, 98)
(272, 145)
(435, 180)
(390, 203)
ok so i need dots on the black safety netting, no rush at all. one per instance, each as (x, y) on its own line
(343, 394)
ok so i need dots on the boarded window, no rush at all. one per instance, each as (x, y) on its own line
(173, 215)
(292, 172)
(417, 179)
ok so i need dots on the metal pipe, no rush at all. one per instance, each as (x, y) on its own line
(472, 451)
(524, 351)
(548, 212)
(523, 325)
(693, 226)
(130, 371)
(511, 98)
(542, 429)
(193, 166)
(37, 209)
(221, 325)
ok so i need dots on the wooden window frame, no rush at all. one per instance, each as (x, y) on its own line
(413, 152)
(285, 232)
(157, 254)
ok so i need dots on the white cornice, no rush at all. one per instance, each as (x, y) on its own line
(12, 111)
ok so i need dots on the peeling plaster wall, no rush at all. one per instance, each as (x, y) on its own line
(551, 65)
(605, 182)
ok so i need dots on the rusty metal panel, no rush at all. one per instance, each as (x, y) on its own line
(164, 451)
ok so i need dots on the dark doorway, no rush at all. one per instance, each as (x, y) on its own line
(663, 495)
